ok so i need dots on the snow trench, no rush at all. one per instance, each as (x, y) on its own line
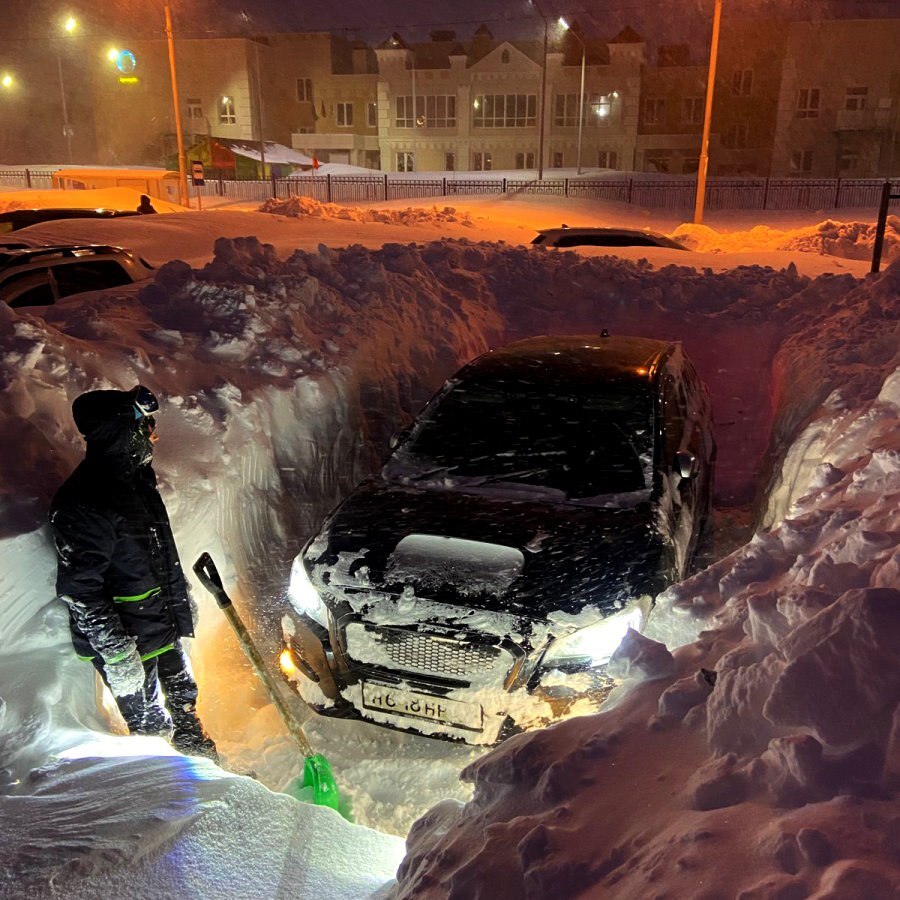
(281, 381)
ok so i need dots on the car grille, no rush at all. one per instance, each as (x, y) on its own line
(424, 653)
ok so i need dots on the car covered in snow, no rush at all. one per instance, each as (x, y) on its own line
(479, 584)
(565, 237)
(14, 219)
(39, 276)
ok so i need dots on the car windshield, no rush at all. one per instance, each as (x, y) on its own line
(583, 444)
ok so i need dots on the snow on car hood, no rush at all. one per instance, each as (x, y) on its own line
(507, 555)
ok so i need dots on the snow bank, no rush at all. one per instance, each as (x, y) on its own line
(97, 198)
(848, 240)
(412, 215)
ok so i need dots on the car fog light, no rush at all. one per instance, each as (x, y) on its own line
(304, 597)
(286, 661)
(593, 646)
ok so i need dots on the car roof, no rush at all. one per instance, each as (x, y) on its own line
(575, 358)
(73, 211)
(17, 257)
(608, 230)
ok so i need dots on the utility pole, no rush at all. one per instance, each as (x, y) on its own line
(65, 108)
(259, 114)
(182, 162)
(543, 98)
(707, 116)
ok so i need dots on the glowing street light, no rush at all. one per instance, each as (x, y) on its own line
(70, 24)
(7, 81)
(112, 54)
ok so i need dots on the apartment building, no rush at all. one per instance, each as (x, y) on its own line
(838, 108)
(745, 103)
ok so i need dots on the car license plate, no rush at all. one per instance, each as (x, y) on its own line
(399, 702)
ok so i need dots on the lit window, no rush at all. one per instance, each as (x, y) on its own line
(227, 115)
(504, 110)
(431, 111)
(344, 115)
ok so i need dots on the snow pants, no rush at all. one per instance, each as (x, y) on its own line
(168, 704)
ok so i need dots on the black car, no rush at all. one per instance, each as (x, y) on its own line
(22, 218)
(480, 583)
(565, 237)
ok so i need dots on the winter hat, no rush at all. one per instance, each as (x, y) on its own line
(103, 415)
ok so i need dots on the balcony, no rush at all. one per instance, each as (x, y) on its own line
(864, 119)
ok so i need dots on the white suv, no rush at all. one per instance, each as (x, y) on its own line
(42, 275)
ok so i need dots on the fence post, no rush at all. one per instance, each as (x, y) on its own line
(880, 227)
(566, 187)
(630, 190)
(28, 178)
(837, 194)
(444, 185)
(766, 194)
(385, 186)
(274, 185)
(221, 184)
(328, 187)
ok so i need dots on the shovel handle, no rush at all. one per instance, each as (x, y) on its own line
(205, 569)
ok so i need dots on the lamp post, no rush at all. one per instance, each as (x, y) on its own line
(565, 25)
(7, 82)
(69, 26)
(707, 116)
(543, 97)
(182, 163)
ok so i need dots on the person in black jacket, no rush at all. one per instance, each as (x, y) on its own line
(119, 573)
(145, 207)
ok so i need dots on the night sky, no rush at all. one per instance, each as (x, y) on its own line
(661, 21)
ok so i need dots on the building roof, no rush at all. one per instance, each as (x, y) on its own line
(276, 153)
(627, 36)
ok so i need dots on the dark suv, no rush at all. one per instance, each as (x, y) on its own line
(531, 514)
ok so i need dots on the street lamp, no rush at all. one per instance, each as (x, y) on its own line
(707, 116)
(567, 27)
(182, 162)
(543, 97)
(7, 81)
(69, 26)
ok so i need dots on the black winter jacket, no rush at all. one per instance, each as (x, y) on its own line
(118, 568)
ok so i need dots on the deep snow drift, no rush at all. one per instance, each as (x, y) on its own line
(281, 381)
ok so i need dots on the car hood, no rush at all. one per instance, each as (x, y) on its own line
(488, 552)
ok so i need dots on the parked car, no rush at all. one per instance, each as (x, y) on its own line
(39, 276)
(22, 218)
(479, 584)
(565, 237)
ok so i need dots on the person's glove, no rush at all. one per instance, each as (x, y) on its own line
(125, 674)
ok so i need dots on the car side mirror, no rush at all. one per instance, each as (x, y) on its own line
(686, 464)
(398, 437)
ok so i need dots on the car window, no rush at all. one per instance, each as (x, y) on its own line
(606, 240)
(540, 239)
(28, 289)
(584, 444)
(89, 275)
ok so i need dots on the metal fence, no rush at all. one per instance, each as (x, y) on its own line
(673, 192)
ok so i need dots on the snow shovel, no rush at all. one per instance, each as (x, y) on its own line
(318, 783)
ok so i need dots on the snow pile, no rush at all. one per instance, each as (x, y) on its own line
(848, 240)
(281, 381)
(121, 198)
(412, 215)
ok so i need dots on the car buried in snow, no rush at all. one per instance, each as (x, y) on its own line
(566, 237)
(479, 584)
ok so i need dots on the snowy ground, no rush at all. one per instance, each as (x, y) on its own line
(282, 378)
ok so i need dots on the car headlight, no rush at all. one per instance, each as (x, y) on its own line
(594, 645)
(304, 597)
